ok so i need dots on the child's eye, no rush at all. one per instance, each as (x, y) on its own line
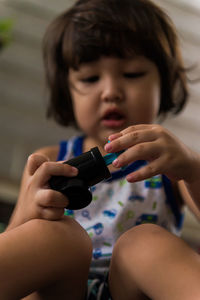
(90, 79)
(134, 74)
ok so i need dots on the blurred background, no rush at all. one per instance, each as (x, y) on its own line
(23, 97)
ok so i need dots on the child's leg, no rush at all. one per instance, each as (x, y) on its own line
(51, 257)
(150, 262)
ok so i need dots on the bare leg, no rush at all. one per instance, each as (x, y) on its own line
(150, 262)
(47, 258)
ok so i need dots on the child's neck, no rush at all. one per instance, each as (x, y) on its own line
(89, 143)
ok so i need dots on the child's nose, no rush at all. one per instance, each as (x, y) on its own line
(112, 90)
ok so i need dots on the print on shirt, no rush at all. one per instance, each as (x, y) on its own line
(154, 182)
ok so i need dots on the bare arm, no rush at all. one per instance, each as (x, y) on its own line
(191, 196)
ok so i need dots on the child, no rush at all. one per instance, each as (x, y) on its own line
(113, 67)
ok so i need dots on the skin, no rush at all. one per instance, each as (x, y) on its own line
(123, 83)
(157, 265)
(165, 153)
(132, 87)
(111, 83)
(44, 255)
(46, 203)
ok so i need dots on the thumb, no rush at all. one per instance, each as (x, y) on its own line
(35, 161)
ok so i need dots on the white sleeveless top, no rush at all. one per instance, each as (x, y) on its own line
(118, 205)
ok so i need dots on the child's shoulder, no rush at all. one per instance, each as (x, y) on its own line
(50, 151)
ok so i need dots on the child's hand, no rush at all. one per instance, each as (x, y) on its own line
(37, 200)
(164, 153)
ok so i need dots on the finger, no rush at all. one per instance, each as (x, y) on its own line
(34, 162)
(114, 136)
(51, 198)
(129, 129)
(144, 151)
(151, 169)
(52, 213)
(49, 169)
(130, 139)
(137, 127)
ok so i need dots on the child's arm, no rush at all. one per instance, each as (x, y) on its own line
(36, 199)
(165, 154)
(191, 195)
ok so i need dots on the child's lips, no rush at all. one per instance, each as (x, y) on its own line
(113, 118)
(112, 123)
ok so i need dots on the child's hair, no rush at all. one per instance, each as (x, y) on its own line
(94, 28)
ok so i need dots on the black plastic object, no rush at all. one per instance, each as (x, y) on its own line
(92, 169)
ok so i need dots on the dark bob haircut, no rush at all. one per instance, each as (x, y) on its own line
(94, 28)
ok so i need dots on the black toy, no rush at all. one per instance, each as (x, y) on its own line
(92, 168)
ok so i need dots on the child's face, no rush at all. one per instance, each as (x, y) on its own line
(111, 94)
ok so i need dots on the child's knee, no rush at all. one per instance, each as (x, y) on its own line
(133, 256)
(140, 235)
(64, 239)
(139, 244)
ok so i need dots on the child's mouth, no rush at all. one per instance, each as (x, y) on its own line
(113, 119)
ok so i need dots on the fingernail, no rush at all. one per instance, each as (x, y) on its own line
(130, 178)
(74, 171)
(108, 147)
(116, 162)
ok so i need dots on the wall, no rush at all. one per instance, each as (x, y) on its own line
(23, 127)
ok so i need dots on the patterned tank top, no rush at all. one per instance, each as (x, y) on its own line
(118, 205)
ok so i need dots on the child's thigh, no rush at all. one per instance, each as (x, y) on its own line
(148, 259)
(72, 256)
(47, 256)
(125, 264)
